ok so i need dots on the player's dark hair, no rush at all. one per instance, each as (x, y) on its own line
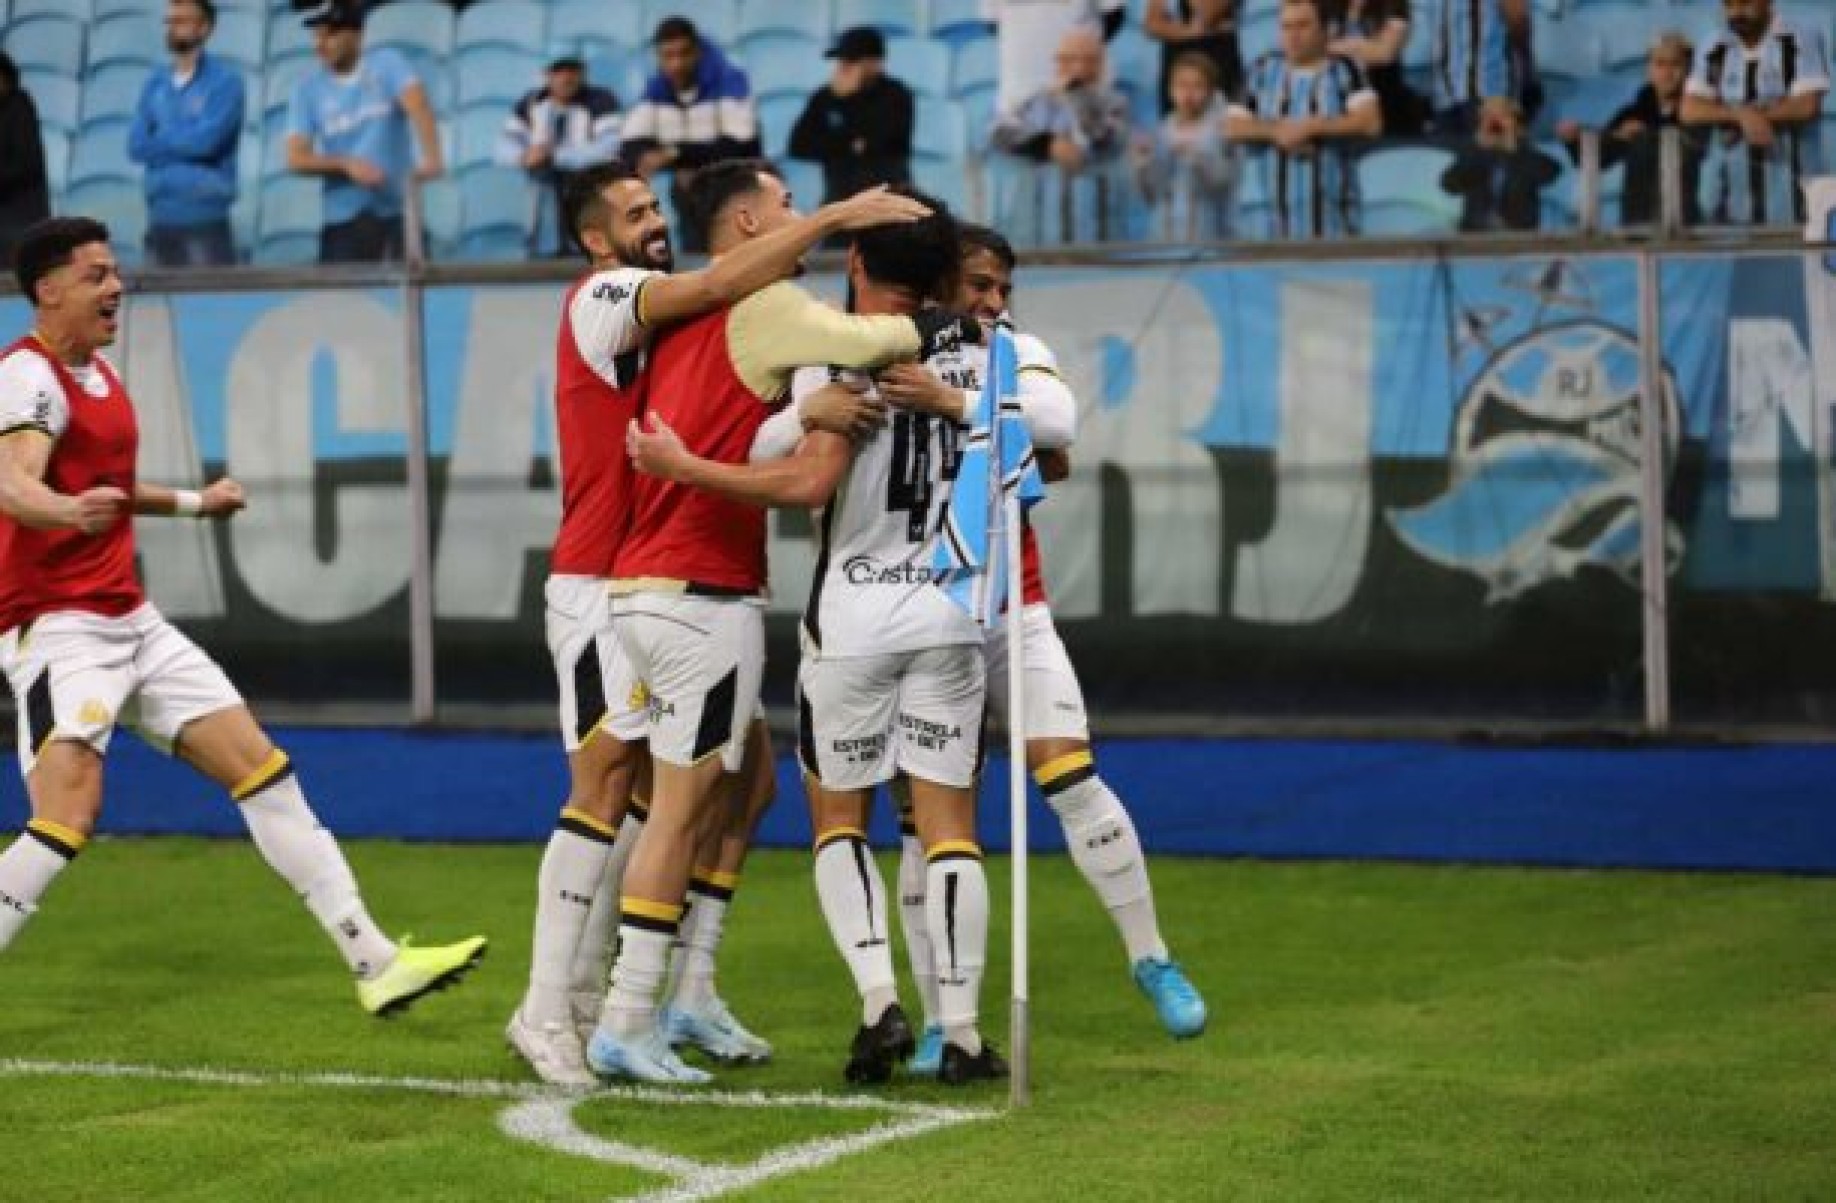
(676, 29)
(9, 74)
(583, 200)
(719, 185)
(50, 244)
(982, 238)
(207, 7)
(923, 256)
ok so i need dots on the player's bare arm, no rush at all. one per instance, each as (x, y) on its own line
(846, 409)
(27, 500)
(220, 499)
(804, 480)
(765, 260)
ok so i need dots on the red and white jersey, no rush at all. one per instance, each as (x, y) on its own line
(1051, 418)
(599, 384)
(86, 413)
(683, 537)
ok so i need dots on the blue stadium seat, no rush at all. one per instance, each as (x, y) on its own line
(240, 37)
(779, 44)
(977, 65)
(978, 105)
(497, 206)
(287, 37)
(940, 132)
(57, 161)
(1257, 34)
(805, 18)
(517, 24)
(957, 20)
(281, 77)
(101, 153)
(65, 10)
(1568, 50)
(248, 164)
(51, 44)
(496, 73)
(1403, 219)
(1591, 101)
(791, 67)
(589, 20)
(717, 20)
(114, 91)
(440, 208)
(805, 182)
(433, 72)
(57, 98)
(289, 221)
(611, 67)
(115, 8)
(245, 210)
(131, 39)
(272, 160)
(1625, 30)
(412, 24)
(476, 133)
(894, 18)
(1409, 176)
(924, 65)
(117, 204)
(776, 117)
(944, 180)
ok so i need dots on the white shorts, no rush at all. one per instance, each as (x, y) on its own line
(76, 675)
(700, 661)
(1054, 700)
(598, 688)
(863, 719)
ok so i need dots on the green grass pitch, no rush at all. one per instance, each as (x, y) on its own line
(1379, 1032)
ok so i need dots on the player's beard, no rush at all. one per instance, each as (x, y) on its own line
(654, 252)
(178, 45)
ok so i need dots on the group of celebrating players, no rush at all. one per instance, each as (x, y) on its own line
(687, 404)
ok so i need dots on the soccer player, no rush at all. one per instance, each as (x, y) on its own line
(83, 649)
(606, 326)
(892, 677)
(1098, 830)
(689, 580)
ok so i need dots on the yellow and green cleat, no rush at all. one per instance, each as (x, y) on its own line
(418, 971)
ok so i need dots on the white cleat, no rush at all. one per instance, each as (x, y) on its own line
(551, 1049)
(643, 1058)
(712, 1028)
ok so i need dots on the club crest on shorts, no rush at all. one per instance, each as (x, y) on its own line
(93, 714)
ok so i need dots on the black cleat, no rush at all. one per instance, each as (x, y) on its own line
(878, 1048)
(959, 1067)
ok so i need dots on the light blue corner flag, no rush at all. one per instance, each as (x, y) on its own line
(969, 561)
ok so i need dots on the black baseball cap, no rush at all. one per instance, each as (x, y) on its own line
(861, 42)
(339, 14)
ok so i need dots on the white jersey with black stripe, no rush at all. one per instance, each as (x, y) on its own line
(872, 592)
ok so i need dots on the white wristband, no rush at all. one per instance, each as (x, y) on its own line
(187, 503)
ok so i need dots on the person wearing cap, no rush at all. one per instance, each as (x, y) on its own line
(561, 128)
(186, 129)
(696, 110)
(349, 124)
(859, 124)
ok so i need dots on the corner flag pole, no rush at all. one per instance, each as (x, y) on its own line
(1020, 1085)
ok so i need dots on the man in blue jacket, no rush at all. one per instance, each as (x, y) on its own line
(185, 133)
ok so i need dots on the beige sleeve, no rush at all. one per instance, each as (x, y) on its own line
(779, 329)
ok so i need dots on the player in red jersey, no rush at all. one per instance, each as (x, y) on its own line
(608, 319)
(82, 648)
(1098, 830)
(689, 580)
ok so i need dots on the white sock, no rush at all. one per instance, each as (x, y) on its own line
(643, 961)
(1106, 850)
(853, 896)
(41, 852)
(918, 949)
(593, 955)
(956, 911)
(573, 873)
(702, 927)
(290, 839)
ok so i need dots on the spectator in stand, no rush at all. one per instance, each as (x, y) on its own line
(1312, 109)
(1184, 167)
(859, 124)
(349, 124)
(561, 128)
(25, 197)
(186, 130)
(1204, 27)
(1027, 33)
(1500, 175)
(1632, 136)
(1078, 121)
(1481, 50)
(1373, 34)
(696, 110)
(1758, 87)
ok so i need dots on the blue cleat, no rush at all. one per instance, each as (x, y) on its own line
(644, 1058)
(712, 1028)
(928, 1058)
(1181, 1010)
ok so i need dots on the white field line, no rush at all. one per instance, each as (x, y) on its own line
(543, 1116)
